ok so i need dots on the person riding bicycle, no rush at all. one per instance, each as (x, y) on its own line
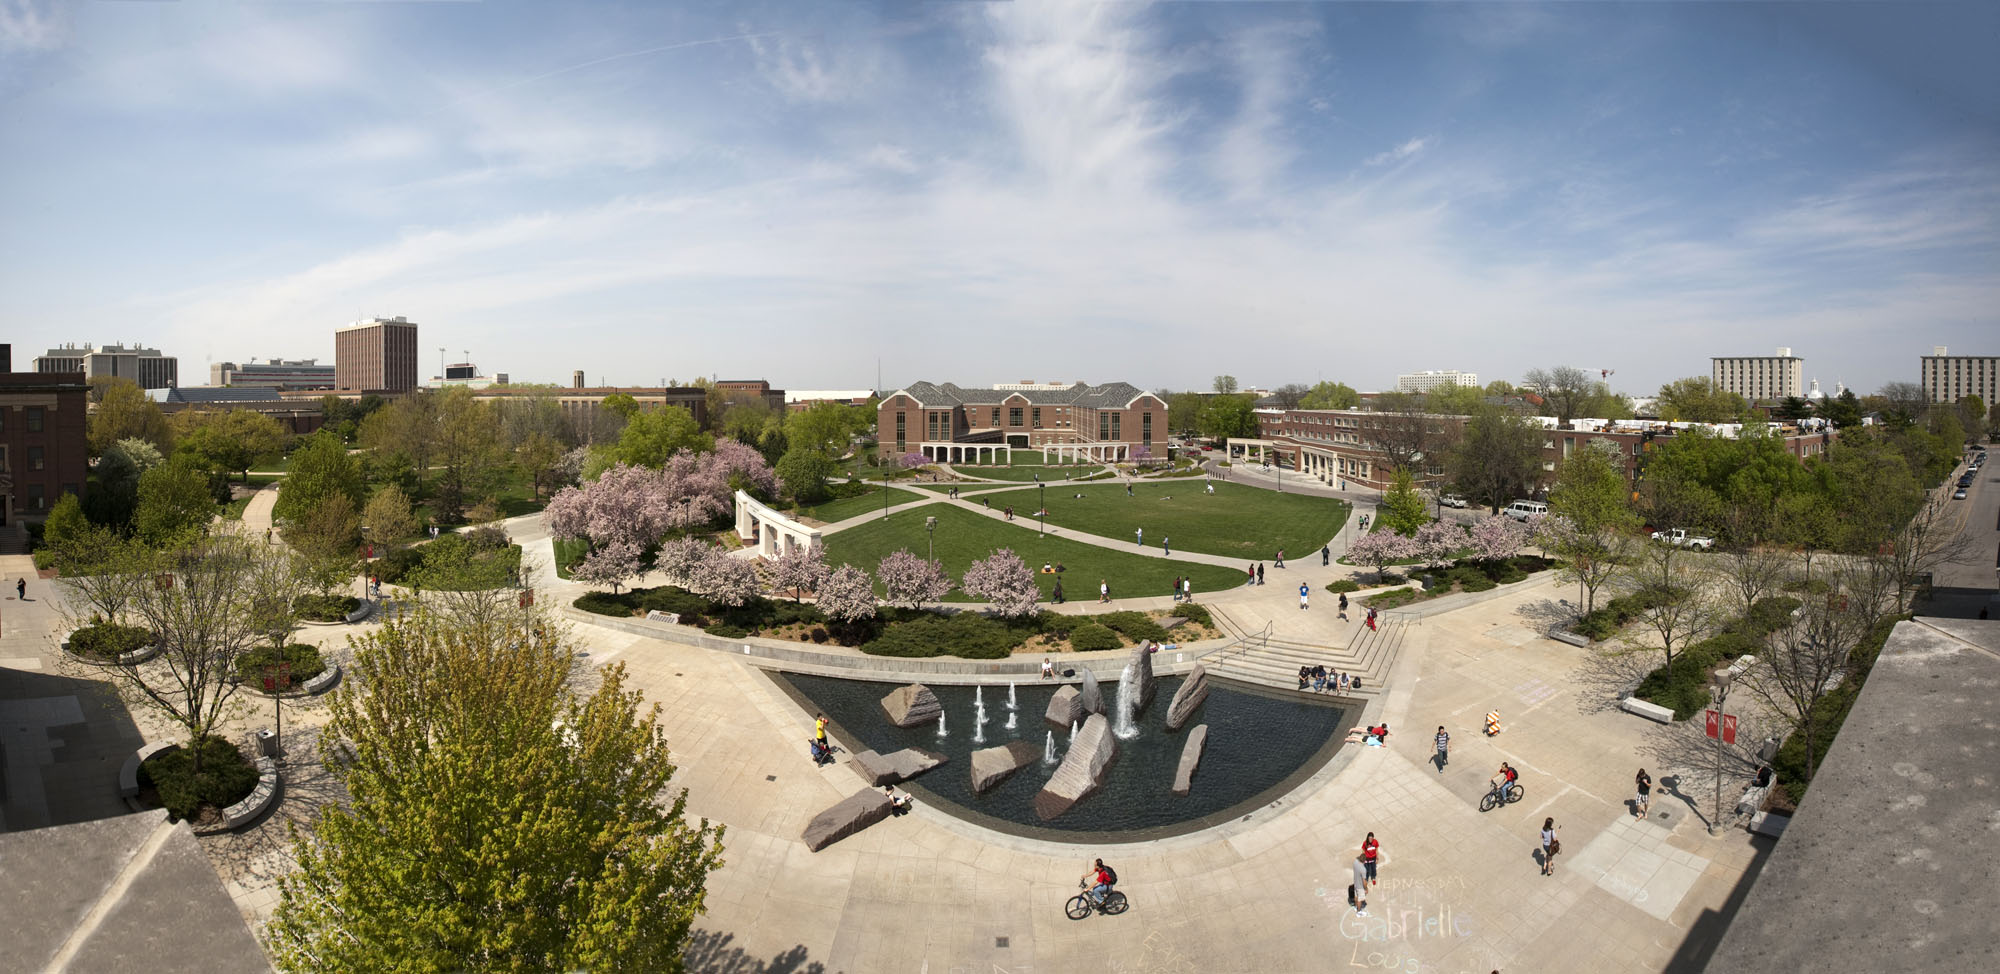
(1504, 779)
(1100, 878)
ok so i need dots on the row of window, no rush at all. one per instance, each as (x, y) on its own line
(32, 415)
(938, 425)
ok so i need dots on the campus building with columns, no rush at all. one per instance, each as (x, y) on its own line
(948, 423)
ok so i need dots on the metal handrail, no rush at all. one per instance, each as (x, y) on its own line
(1263, 636)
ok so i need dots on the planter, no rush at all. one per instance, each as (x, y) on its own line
(252, 806)
(362, 611)
(132, 658)
(308, 688)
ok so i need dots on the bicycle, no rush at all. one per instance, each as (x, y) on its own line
(1494, 797)
(1081, 905)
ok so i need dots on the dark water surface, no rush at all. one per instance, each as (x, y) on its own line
(1261, 743)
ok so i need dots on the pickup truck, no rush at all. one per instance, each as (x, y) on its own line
(1680, 537)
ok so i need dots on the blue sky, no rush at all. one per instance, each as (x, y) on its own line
(992, 192)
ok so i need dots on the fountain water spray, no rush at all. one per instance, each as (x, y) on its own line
(1010, 699)
(1128, 698)
(941, 732)
(1072, 733)
(1049, 749)
(979, 722)
(1010, 721)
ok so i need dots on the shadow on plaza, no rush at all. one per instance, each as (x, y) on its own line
(92, 750)
(710, 952)
(1698, 947)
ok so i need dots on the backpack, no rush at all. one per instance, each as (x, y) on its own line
(1555, 846)
(1113, 873)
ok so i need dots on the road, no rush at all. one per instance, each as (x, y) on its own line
(1972, 581)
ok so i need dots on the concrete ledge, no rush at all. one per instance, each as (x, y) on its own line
(128, 776)
(132, 658)
(310, 688)
(1650, 711)
(362, 611)
(1769, 823)
(1449, 603)
(252, 806)
(1572, 638)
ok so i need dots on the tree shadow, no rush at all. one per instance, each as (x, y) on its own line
(258, 856)
(711, 952)
(1547, 616)
(1697, 765)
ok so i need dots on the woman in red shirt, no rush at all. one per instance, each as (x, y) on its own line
(1369, 850)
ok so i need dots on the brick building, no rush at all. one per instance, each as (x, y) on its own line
(753, 389)
(377, 355)
(1948, 378)
(947, 423)
(43, 450)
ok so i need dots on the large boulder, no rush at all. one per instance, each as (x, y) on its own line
(1144, 684)
(1089, 696)
(854, 813)
(1082, 770)
(1190, 758)
(912, 705)
(992, 765)
(1065, 708)
(1194, 690)
(887, 769)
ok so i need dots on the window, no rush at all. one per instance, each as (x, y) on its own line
(1114, 427)
(34, 419)
(36, 499)
(35, 458)
(900, 424)
(996, 416)
(1035, 417)
(1013, 417)
(1103, 426)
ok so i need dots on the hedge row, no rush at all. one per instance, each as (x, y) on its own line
(1828, 715)
(109, 640)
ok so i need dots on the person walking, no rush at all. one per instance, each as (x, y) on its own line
(1281, 558)
(1371, 850)
(1444, 748)
(1343, 606)
(1550, 846)
(1260, 573)
(1644, 782)
(1358, 890)
(1250, 574)
(1057, 596)
(1177, 588)
(1139, 537)
(1166, 544)
(1303, 593)
(1325, 555)
(1371, 619)
(1187, 589)
(1103, 590)
(21, 588)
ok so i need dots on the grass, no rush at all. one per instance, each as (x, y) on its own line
(963, 536)
(1235, 521)
(846, 507)
(233, 511)
(569, 551)
(1028, 473)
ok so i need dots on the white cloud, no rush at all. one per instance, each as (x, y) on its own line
(26, 25)
(1400, 153)
(892, 157)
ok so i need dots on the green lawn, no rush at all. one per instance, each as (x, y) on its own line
(1048, 474)
(846, 507)
(233, 511)
(569, 551)
(963, 536)
(1236, 521)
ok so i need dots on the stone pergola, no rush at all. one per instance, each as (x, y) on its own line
(1095, 452)
(773, 533)
(966, 452)
(1264, 448)
(1332, 468)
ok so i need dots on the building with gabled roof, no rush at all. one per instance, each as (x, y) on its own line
(950, 423)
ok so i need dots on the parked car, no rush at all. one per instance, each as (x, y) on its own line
(1523, 510)
(1681, 538)
(1958, 495)
(1453, 500)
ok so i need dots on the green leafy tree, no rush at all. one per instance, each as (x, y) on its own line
(175, 505)
(537, 456)
(1696, 400)
(1330, 395)
(1224, 385)
(327, 538)
(1455, 400)
(321, 467)
(1590, 501)
(227, 441)
(1794, 408)
(1229, 415)
(546, 832)
(469, 454)
(804, 472)
(114, 488)
(406, 428)
(1403, 509)
(1497, 459)
(388, 518)
(1843, 410)
(652, 436)
(825, 426)
(1183, 411)
(66, 522)
(124, 411)
(621, 405)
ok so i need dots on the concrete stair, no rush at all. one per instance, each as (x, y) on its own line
(14, 539)
(1274, 661)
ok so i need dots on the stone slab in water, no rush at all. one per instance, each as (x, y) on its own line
(912, 705)
(1187, 699)
(1082, 771)
(1142, 661)
(1190, 758)
(854, 813)
(1065, 708)
(1089, 696)
(992, 765)
(887, 769)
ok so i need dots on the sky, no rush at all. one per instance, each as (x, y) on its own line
(992, 192)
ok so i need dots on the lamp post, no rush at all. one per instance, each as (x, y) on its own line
(1044, 512)
(1719, 682)
(930, 537)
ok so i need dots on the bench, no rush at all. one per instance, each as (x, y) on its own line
(1574, 639)
(362, 611)
(1650, 711)
(1769, 823)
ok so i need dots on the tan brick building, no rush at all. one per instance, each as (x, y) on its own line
(948, 423)
(377, 355)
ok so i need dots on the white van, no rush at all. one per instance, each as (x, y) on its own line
(1523, 510)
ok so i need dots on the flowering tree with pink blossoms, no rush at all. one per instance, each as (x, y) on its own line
(912, 581)
(1497, 538)
(847, 595)
(678, 559)
(735, 465)
(626, 504)
(911, 461)
(692, 490)
(1435, 543)
(1004, 580)
(799, 570)
(611, 564)
(1379, 548)
(726, 580)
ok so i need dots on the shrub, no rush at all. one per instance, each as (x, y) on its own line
(1682, 685)
(304, 660)
(485, 539)
(1091, 636)
(225, 778)
(1344, 585)
(966, 634)
(607, 604)
(818, 635)
(45, 559)
(109, 640)
(1394, 597)
(1195, 612)
(325, 608)
(727, 631)
(396, 563)
(670, 598)
(1133, 625)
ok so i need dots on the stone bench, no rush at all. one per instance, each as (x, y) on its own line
(254, 804)
(858, 811)
(1769, 823)
(1572, 638)
(128, 776)
(1650, 711)
(362, 611)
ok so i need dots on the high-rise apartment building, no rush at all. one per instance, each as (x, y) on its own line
(146, 366)
(1760, 378)
(1435, 379)
(376, 355)
(1949, 378)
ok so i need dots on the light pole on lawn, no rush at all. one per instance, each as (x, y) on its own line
(930, 536)
(1044, 512)
(1719, 682)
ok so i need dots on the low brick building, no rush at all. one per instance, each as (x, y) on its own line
(44, 452)
(949, 423)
